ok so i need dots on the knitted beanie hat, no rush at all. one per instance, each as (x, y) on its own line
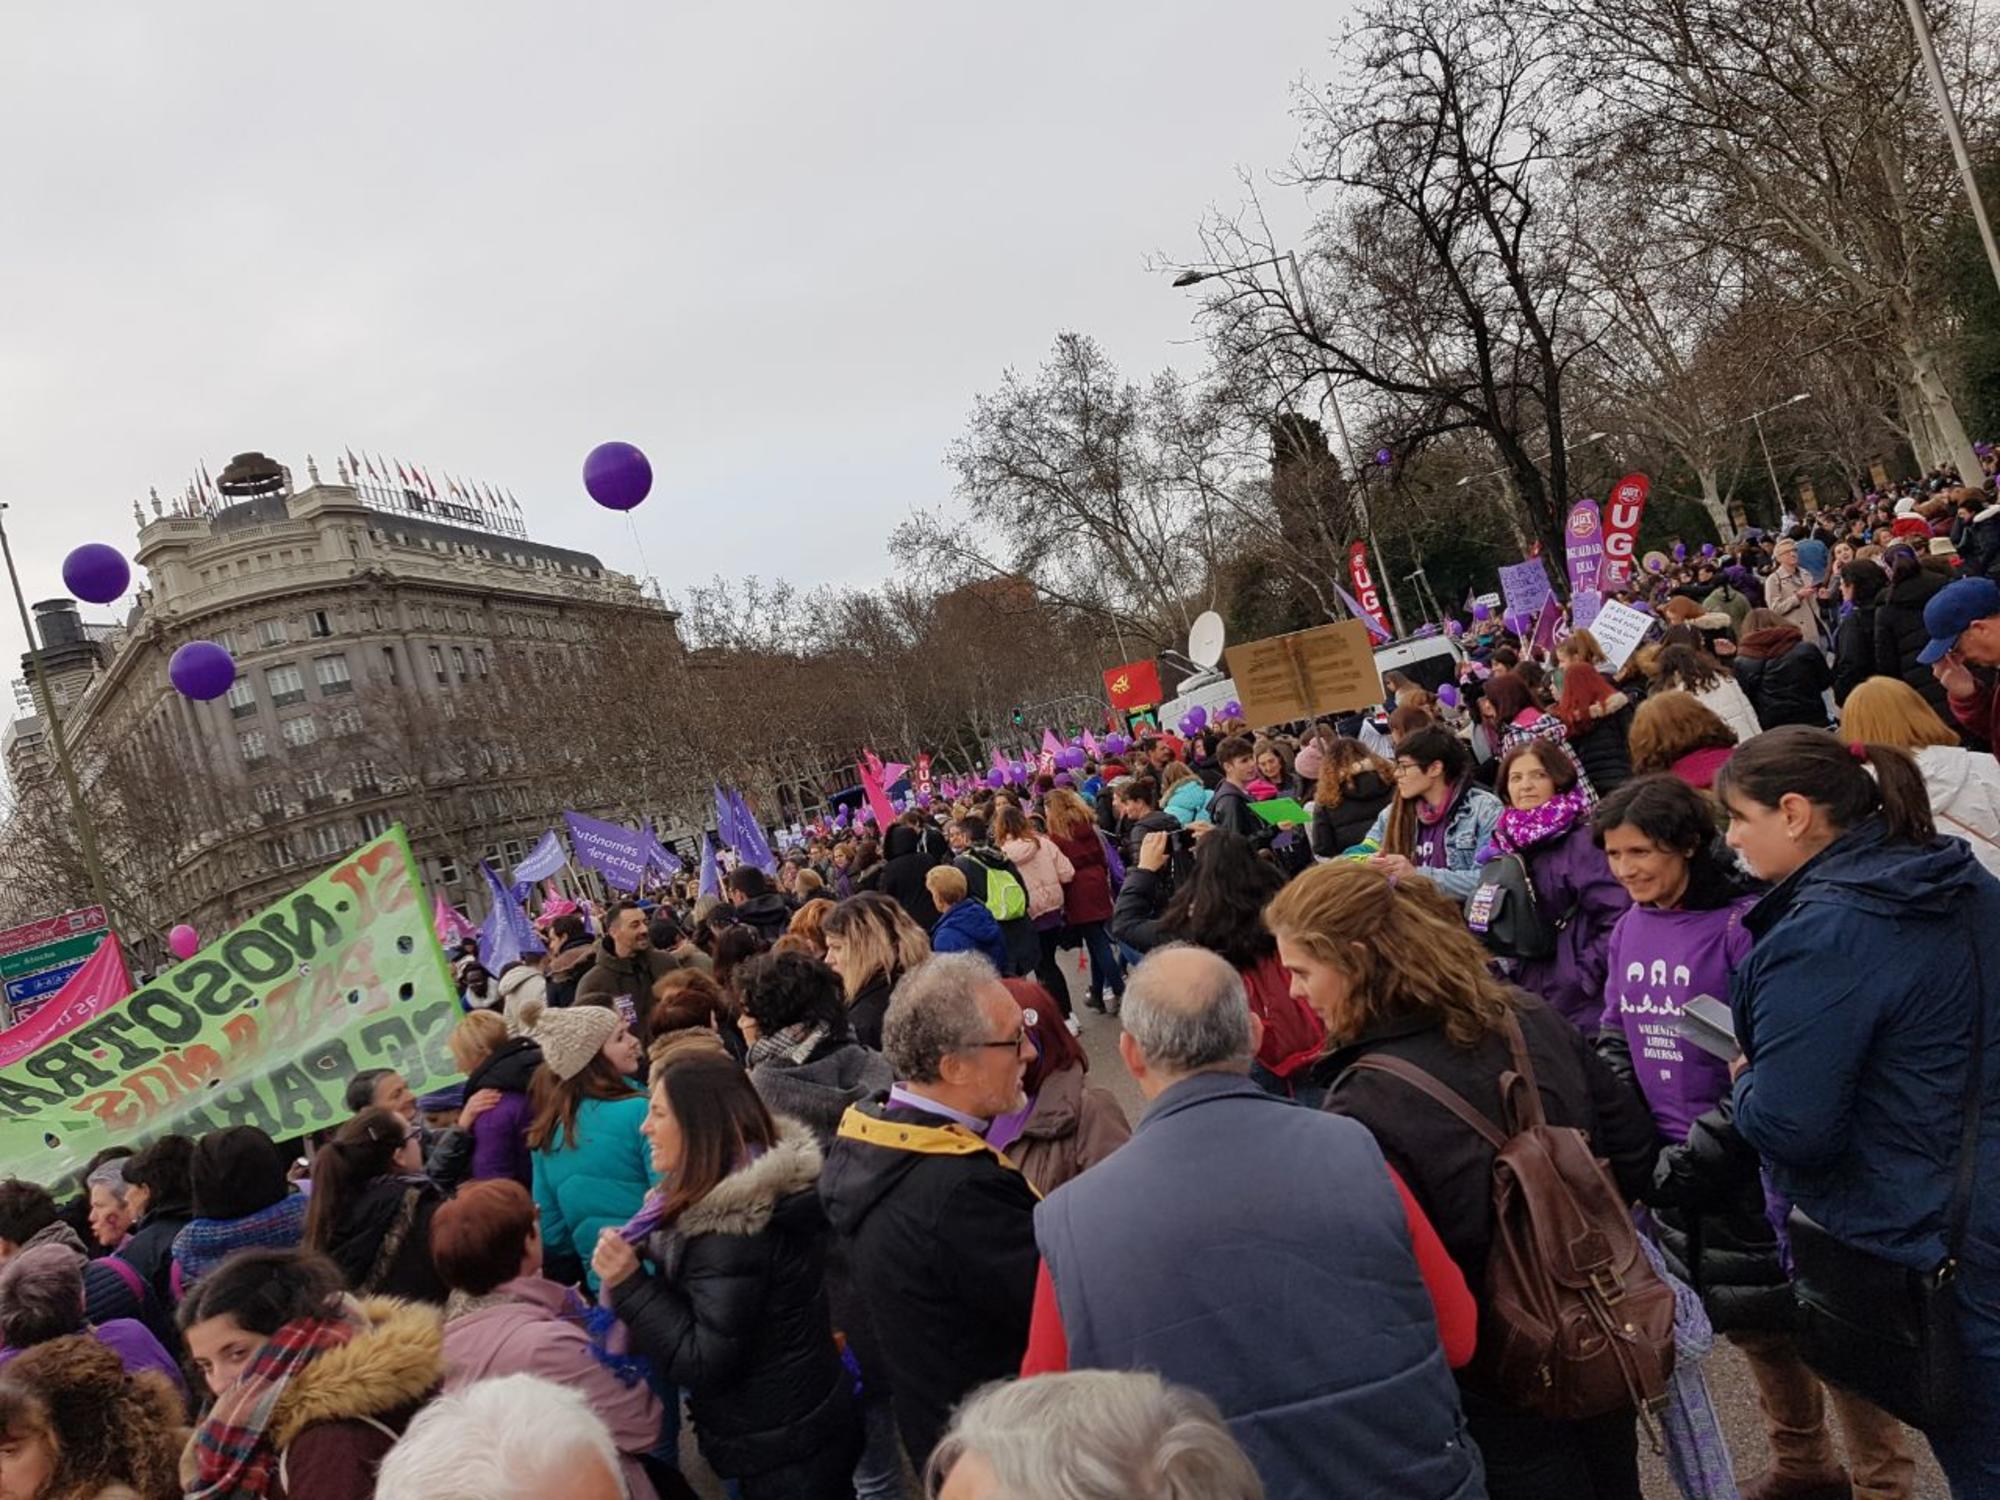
(569, 1038)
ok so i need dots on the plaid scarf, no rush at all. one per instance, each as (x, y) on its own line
(235, 1455)
(794, 1043)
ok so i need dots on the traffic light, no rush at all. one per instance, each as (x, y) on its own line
(1020, 718)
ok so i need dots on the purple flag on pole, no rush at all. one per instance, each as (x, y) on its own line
(658, 855)
(543, 860)
(506, 935)
(614, 851)
(1365, 616)
(711, 878)
(752, 844)
(725, 822)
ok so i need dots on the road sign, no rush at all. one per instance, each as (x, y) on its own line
(51, 929)
(39, 986)
(68, 950)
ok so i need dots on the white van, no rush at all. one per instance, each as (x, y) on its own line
(1427, 660)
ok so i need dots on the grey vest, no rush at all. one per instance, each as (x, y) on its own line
(1258, 1252)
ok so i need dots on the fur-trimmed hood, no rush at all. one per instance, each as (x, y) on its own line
(396, 1363)
(743, 1202)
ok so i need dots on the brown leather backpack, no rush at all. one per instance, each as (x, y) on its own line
(1574, 1321)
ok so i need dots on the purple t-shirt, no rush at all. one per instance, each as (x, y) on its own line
(1657, 962)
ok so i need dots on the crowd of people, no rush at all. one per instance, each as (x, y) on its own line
(1438, 1190)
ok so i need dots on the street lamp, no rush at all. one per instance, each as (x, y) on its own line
(1355, 471)
(1756, 419)
(86, 831)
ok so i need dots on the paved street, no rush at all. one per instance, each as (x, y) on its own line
(1728, 1376)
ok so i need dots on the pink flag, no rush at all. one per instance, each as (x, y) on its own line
(93, 989)
(1089, 743)
(877, 795)
(1050, 744)
(891, 772)
(452, 928)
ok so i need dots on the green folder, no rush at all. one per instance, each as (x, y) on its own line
(1279, 810)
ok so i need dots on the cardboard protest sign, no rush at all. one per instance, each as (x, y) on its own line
(1525, 586)
(1619, 628)
(1327, 669)
(263, 1027)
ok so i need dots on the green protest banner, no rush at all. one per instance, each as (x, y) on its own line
(263, 1027)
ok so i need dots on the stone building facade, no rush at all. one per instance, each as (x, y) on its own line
(364, 625)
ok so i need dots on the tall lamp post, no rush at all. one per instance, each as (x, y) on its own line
(1354, 469)
(86, 831)
(1756, 419)
(1928, 49)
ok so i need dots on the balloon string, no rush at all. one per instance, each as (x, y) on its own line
(645, 569)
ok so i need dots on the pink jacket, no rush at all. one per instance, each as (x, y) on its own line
(525, 1327)
(1045, 868)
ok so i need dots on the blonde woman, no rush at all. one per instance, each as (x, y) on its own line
(1391, 969)
(871, 943)
(1964, 787)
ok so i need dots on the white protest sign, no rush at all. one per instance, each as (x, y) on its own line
(1619, 628)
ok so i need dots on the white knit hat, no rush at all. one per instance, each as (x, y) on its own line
(570, 1038)
(519, 986)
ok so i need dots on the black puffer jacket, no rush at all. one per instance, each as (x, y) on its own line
(768, 915)
(1336, 829)
(1854, 650)
(868, 1009)
(1604, 752)
(1900, 635)
(903, 871)
(382, 1242)
(735, 1313)
(942, 1240)
(1784, 676)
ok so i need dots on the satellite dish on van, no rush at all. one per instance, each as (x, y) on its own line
(1205, 640)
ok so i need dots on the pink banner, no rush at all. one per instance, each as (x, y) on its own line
(877, 795)
(1622, 513)
(100, 984)
(452, 928)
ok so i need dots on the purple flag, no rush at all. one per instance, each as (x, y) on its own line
(725, 821)
(752, 844)
(1545, 627)
(711, 878)
(506, 935)
(543, 860)
(1583, 546)
(1365, 616)
(614, 851)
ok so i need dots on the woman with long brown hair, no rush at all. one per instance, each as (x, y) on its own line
(1087, 897)
(1439, 821)
(1675, 731)
(371, 1208)
(1391, 969)
(1355, 784)
(735, 1310)
(591, 1168)
(871, 943)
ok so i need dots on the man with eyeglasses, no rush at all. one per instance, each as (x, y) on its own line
(939, 1226)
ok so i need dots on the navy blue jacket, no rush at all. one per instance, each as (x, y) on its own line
(968, 927)
(1259, 1253)
(1855, 1009)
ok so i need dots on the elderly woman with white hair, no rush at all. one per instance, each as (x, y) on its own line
(1091, 1435)
(112, 1213)
(514, 1438)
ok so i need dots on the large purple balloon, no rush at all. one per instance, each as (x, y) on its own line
(996, 778)
(202, 670)
(95, 573)
(617, 475)
(1199, 715)
(1232, 710)
(1116, 744)
(1070, 757)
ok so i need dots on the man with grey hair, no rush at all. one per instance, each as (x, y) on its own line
(1265, 1255)
(514, 1438)
(938, 1225)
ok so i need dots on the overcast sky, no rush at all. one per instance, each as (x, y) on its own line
(779, 247)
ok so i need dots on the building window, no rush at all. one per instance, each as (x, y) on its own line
(253, 746)
(458, 662)
(375, 615)
(365, 777)
(344, 723)
(242, 698)
(437, 664)
(327, 841)
(541, 629)
(270, 798)
(318, 625)
(460, 620)
(286, 685)
(279, 852)
(226, 639)
(447, 869)
(514, 852)
(271, 632)
(389, 662)
(332, 674)
(313, 787)
(375, 824)
(299, 732)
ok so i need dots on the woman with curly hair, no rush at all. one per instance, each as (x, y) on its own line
(1355, 784)
(809, 922)
(75, 1426)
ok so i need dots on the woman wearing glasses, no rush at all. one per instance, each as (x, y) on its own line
(372, 1205)
(1439, 821)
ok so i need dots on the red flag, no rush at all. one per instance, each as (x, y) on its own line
(1134, 685)
(1622, 512)
(1364, 585)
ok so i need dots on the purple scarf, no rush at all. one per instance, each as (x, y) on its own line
(1521, 828)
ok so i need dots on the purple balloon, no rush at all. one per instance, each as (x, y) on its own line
(1199, 715)
(201, 670)
(95, 573)
(1070, 758)
(1232, 710)
(1481, 612)
(996, 778)
(1708, 549)
(617, 475)
(1680, 551)
(1447, 695)
(1384, 457)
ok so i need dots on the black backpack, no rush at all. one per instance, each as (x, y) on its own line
(1503, 912)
